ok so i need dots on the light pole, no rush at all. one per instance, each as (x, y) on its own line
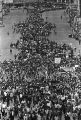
(80, 6)
(65, 1)
(1, 13)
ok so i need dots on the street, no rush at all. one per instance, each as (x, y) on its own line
(7, 36)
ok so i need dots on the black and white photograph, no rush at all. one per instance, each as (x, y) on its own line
(40, 59)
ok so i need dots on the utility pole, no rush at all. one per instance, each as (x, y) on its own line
(61, 1)
(69, 1)
(57, 1)
(80, 6)
(38, 3)
(65, 1)
(1, 13)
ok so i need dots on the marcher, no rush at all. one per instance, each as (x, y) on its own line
(61, 17)
(79, 42)
(7, 33)
(37, 85)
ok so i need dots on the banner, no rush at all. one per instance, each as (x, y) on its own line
(57, 60)
(7, 1)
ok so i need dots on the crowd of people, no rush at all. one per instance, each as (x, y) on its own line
(36, 86)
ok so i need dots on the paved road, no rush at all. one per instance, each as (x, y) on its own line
(14, 17)
(63, 29)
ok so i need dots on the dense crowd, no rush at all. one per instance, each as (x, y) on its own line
(36, 86)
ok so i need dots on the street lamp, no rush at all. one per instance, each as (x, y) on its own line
(1, 13)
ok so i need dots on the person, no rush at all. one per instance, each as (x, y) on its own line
(55, 32)
(79, 115)
(75, 49)
(38, 116)
(56, 118)
(46, 18)
(15, 56)
(54, 26)
(11, 115)
(54, 29)
(25, 117)
(10, 51)
(11, 45)
(67, 117)
(8, 33)
(61, 17)
(0, 116)
(79, 42)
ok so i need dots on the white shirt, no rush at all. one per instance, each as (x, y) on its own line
(20, 95)
(4, 105)
(56, 117)
(5, 93)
